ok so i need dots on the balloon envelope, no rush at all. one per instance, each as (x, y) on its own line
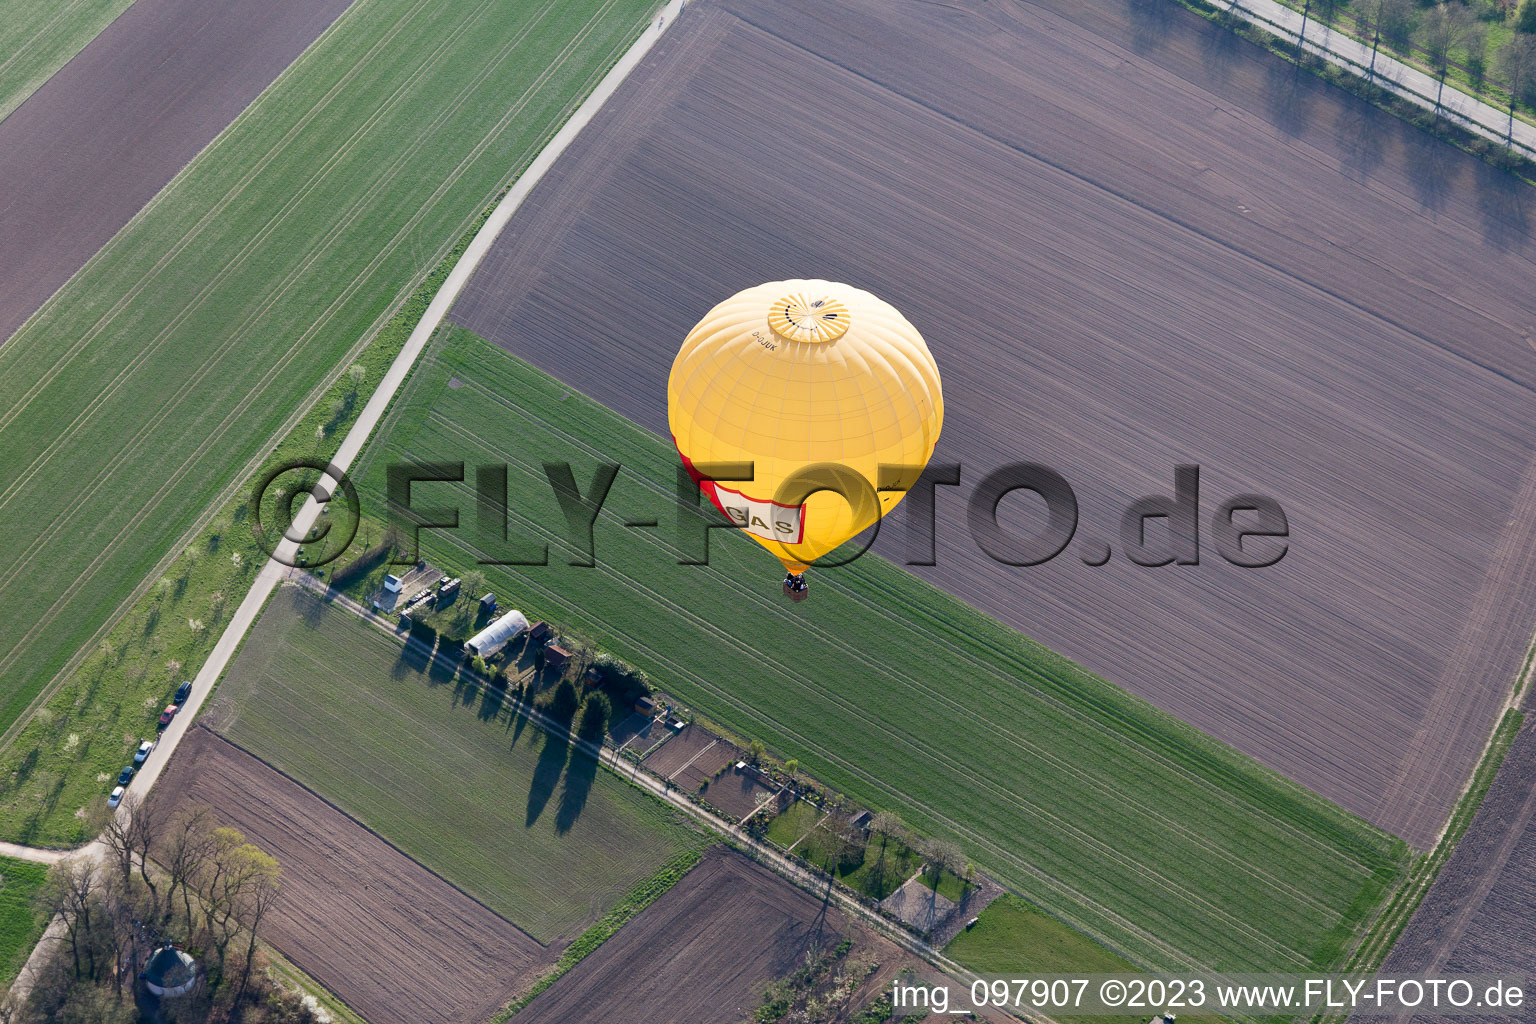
(818, 385)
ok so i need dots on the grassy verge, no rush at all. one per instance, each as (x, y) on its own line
(447, 773)
(290, 977)
(634, 901)
(1118, 819)
(20, 926)
(1378, 942)
(41, 36)
(156, 378)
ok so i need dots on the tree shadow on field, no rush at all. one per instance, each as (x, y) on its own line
(518, 721)
(491, 700)
(1288, 97)
(310, 608)
(1503, 201)
(1363, 138)
(545, 774)
(442, 670)
(413, 659)
(579, 775)
(1150, 22)
(1433, 167)
(1219, 47)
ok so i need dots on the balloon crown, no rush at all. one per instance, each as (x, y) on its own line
(818, 320)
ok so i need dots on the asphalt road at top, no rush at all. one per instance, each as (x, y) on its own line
(101, 137)
(1132, 241)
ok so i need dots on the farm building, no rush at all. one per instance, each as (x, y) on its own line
(495, 636)
(555, 658)
(170, 972)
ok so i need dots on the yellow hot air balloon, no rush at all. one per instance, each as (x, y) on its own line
(818, 385)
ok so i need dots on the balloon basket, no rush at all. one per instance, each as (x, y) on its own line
(795, 587)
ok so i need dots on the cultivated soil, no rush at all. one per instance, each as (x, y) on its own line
(704, 952)
(397, 943)
(111, 127)
(738, 794)
(692, 745)
(1478, 918)
(1132, 241)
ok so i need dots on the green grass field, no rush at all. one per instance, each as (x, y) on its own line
(1127, 824)
(152, 381)
(20, 926)
(66, 754)
(884, 866)
(37, 37)
(799, 818)
(452, 780)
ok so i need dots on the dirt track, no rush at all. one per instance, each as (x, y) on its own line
(106, 133)
(1478, 917)
(703, 952)
(394, 941)
(1132, 241)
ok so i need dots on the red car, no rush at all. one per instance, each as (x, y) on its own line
(168, 714)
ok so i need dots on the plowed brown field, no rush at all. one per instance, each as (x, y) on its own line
(1132, 241)
(394, 941)
(704, 952)
(106, 133)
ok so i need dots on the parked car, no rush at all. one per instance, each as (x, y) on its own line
(126, 775)
(116, 797)
(142, 754)
(183, 692)
(168, 714)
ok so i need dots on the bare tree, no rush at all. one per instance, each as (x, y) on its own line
(944, 855)
(889, 827)
(189, 838)
(1517, 64)
(120, 904)
(230, 876)
(1475, 46)
(69, 894)
(130, 836)
(258, 898)
(1399, 22)
(1445, 26)
(1386, 21)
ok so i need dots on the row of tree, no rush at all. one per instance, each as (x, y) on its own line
(1443, 30)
